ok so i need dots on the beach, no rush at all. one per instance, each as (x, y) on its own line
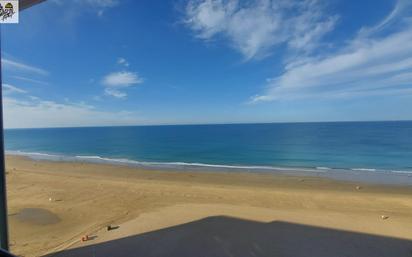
(52, 205)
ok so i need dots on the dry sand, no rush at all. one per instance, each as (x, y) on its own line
(166, 213)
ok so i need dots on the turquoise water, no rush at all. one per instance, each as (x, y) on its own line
(356, 146)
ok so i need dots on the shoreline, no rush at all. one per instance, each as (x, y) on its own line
(356, 175)
(73, 199)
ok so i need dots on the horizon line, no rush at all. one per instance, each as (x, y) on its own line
(210, 124)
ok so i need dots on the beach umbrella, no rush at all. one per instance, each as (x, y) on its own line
(4, 238)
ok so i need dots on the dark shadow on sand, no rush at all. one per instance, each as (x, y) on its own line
(232, 237)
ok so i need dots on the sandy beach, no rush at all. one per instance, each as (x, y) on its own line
(168, 213)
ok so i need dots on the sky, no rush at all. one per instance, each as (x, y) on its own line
(125, 62)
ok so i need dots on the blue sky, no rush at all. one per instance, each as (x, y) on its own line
(124, 62)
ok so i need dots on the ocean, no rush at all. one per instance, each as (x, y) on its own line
(343, 149)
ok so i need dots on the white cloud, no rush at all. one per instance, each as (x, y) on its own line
(100, 3)
(9, 89)
(114, 92)
(122, 79)
(19, 66)
(255, 27)
(115, 82)
(73, 8)
(123, 61)
(400, 9)
(97, 98)
(28, 111)
(93, 3)
(36, 81)
(35, 112)
(373, 63)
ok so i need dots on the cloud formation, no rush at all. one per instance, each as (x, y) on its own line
(122, 61)
(116, 82)
(255, 27)
(74, 7)
(9, 89)
(100, 3)
(36, 81)
(34, 112)
(20, 66)
(378, 61)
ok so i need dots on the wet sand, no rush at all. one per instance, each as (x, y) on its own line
(167, 213)
(36, 216)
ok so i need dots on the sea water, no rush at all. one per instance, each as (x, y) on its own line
(331, 147)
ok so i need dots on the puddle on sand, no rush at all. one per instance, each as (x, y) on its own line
(36, 216)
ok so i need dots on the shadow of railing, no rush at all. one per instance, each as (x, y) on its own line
(226, 236)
